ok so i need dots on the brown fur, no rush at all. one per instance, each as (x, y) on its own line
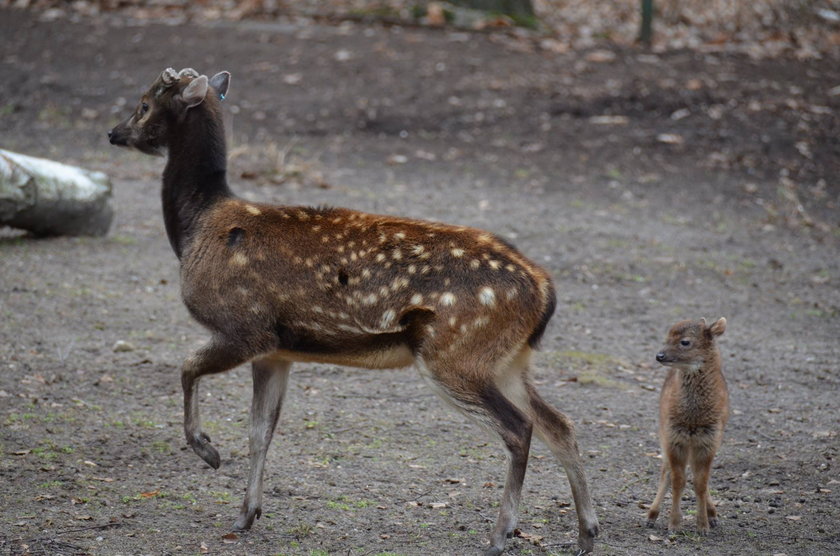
(693, 410)
(280, 284)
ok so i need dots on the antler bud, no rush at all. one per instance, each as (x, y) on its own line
(169, 77)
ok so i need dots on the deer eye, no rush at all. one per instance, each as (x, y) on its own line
(685, 343)
(144, 108)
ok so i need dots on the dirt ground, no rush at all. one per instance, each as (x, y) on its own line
(654, 187)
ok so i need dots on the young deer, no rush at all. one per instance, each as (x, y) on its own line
(693, 410)
(279, 284)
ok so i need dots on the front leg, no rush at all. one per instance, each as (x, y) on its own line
(270, 381)
(215, 357)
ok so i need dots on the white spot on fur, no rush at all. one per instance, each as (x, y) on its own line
(474, 264)
(380, 257)
(399, 283)
(370, 299)
(416, 299)
(387, 318)
(457, 252)
(417, 249)
(239, 259)
(494, 264)
(396, 254)
(453, 321)
(487, 296)
(447, 299)
(253, 210)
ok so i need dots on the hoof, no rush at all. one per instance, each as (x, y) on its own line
(493, 551)
(713, 522)
(246, 519)
(201, 446)
(651, 523)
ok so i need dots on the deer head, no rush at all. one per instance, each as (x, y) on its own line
(172, 95)
(691, 343)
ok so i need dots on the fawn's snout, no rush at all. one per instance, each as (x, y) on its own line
(660, 357)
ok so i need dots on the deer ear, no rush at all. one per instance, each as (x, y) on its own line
(194, 93)
(221, 82)
(719, 327)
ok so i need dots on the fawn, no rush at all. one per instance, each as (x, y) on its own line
(693, 410)
(281, 284)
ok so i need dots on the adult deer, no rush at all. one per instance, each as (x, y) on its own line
(279, 284)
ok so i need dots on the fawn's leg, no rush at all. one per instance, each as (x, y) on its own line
(711, 511)
(270, 381)
(557, 431)
(484, 402)
(701, 464)
(216, 356)
(677, 457)
(653, 513)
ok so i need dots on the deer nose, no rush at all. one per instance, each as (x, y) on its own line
(660, 356)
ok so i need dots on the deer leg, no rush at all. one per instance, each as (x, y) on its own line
(270, 381)
(701, 464)
(214, 357)
(677, 457)
(653, 513)
(515, 429)
(557, 431)
(487, 405)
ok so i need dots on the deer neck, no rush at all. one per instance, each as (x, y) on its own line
(195, 176)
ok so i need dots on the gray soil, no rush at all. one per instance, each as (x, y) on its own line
(735, 217)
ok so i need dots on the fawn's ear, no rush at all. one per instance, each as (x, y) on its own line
(221, 82)
(194, 93)
(719, 327)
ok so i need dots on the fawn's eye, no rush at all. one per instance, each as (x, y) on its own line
(144, 108)
(685, 343)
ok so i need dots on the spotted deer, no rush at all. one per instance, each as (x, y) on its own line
(693, 410)
(281, 284)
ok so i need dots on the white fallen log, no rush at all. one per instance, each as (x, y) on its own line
(50, 198)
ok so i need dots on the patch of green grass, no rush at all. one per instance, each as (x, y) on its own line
(222, 497)
(162, 447)
(301, 531)
(51, 484)
(123, 240)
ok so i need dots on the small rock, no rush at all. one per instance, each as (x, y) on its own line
(123, 346)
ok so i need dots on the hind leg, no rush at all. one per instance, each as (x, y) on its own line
(484, 402)
(557, 431)
(653, 513)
